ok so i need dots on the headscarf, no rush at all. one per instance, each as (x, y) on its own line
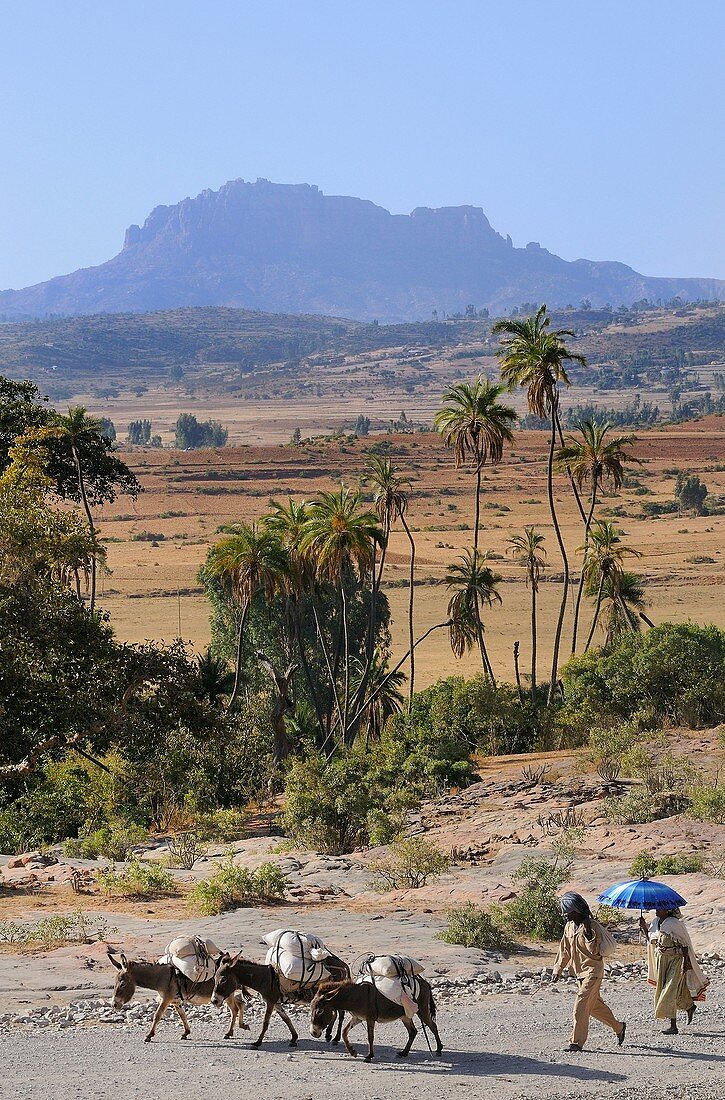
(573, 905)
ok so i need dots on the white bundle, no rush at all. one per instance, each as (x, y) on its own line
(299, 944)
(296, 968)
(184, 954)
(391, 966)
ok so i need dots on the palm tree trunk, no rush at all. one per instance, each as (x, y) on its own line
(346, 659)
(533, 639)
(239, 658)
(518, 674)
(306, 672)
(477, 520)
(577, 498)
(485, 660)
(328, 663)
(89, 517)
(580, 590)
(597, 609)
(411, 597)
(364, 706)
(564, 559)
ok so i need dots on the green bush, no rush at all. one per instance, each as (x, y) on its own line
(707, 803)
(536, 911)
(111, 841)
(471, 926)
(681, 864)
(409, 864)
(137, 880)
(643, 865)
(55, 931)
(672, 672)
(328, 803)
(638, 806)
(221, 826)
(231, 886)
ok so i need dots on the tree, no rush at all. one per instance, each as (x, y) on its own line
(391, 502)
(535, 357)
(476, 425)
(603, 565)
(383, 686)
(139, 432)
(473, 584)
(623, 602)
(215, 679)
(593, 460)
(296, 437)
(249, 560)
(527, 550)
(341, 540)
(190, 434)
(690, 493)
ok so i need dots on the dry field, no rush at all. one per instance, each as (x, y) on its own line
(189, 495)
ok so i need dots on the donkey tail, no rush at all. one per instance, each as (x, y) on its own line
(433, 1010)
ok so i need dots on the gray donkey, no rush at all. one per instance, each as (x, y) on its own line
(171, 988)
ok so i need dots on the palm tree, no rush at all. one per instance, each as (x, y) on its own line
(527, 550)
(391, 501)
(535, 357)
(476, 424)
(215, 679)
(386, 697)
(249, 560)
(623, 604)
(76, 428)
(593, 459)
(341, 539)
(603, 564)
(473, 584)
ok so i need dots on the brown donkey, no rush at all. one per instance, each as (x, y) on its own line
(172, 988)
(234, 973)
(364, 1002)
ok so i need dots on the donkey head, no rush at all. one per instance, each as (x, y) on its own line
(322, 1012)
(125, 986)
(226, 981)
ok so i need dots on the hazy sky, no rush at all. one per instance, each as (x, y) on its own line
(592, 126)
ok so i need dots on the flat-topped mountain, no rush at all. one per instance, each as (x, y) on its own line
(290, 248)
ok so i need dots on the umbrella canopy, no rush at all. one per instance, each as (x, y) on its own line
(641, 893)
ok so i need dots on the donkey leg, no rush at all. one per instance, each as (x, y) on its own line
(354, 1021)
(232, 1006)
(164, 1003)
(283, 1015)
(371, 1036)
(184, 1019)
(265, 1024)
(412, 1032)
(430, 1022)
(340, 1021)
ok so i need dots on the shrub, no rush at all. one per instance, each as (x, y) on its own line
(409, 864)
(111, 841)
(231, 886)
(681, 864)
(707, 803)
(643, 865)
(328, 802)
(471, 926)
(672, 672)
(137, 880)
(185, 850)
(536, 911)
(52, 932)
(638, 806)
(222, 826)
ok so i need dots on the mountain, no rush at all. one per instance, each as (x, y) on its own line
(289, 248)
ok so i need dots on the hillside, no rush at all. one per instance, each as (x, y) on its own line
(291, 248)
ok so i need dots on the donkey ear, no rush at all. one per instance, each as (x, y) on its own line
(124, 962)
(236, 957)
(115, 961)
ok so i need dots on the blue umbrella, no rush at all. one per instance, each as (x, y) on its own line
(641, 894)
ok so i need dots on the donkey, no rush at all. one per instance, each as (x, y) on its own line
(364, 1002)
(172, 988)
(234, 973)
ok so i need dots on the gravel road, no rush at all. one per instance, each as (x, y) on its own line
(510, 1045)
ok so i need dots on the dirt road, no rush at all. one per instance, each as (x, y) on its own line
(510, 1047)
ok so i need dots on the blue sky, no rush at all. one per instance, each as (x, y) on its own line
(592, 126)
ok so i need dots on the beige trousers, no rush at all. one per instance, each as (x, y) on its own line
(589, 1003)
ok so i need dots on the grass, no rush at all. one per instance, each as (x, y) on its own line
(55, 931)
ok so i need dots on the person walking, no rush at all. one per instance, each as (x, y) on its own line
(581, 951)
(672, 968)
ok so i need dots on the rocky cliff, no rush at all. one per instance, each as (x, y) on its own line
(290, 248)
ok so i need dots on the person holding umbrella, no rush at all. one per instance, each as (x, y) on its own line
(672, 967)
(582, 950)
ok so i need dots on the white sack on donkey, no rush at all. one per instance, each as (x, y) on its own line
(395, 976)
(297, 957)
(193, 956)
